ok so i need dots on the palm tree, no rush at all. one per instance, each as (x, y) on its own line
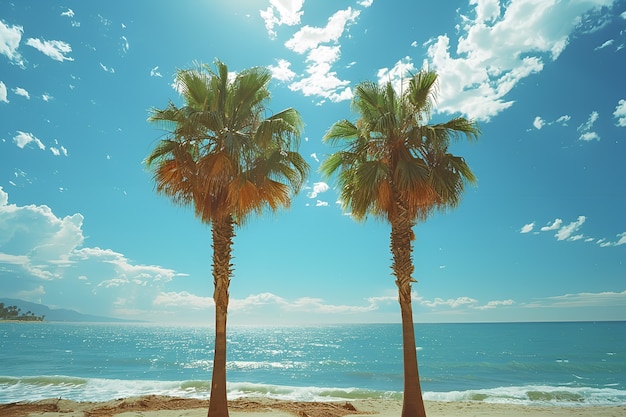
(225, 158)
(395, 166)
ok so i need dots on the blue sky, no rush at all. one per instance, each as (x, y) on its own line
(541, 237)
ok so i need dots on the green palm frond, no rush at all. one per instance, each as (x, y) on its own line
(220, 154)
(391, 158)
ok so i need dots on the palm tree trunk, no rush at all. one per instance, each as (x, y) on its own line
(401, 237)
(223, 233)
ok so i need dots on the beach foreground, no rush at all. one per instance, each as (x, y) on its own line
(162, 406)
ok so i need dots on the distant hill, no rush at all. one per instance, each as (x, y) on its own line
(52, 314)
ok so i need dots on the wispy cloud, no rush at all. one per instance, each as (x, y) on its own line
(527, 228)
(318, 188)
(282, 72)
(3, 93)
(125, 44)
(269, 300)
(605, 44)
(540, 122)
(68, 13)
(568, 232)
(585, 299)
(620, 113)
(397, 75)
(51, 250)
(555, 225)
(154, 72)
(571, 232)
(58, 150)
(282, 12)
(497, 48)
(320, 79)
(56, 50)
(25, 138)
(563, 120)
(21, 92)
(107, 69)
(586, 134)
(10, 38)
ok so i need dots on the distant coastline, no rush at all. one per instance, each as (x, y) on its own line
(47, 314)
(14, 313)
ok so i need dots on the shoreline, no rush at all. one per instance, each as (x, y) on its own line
(164, 406)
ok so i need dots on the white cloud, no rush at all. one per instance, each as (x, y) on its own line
(566, 232)
(570, 233)
(538, 123)
(318, 188)
(589, 136)
(366, 3)
(23, 138)
(605, 44)
(21, 92)
(593, 118)
(497, 303)
(107, 69)
(125, 44)
(621, 240)
(585, 128)
(4, 197)
(397, 75)
(154, 72)
(601, 299)
(46, 97)
(268, 300)
(320, 203)
(620, 113)
(498, 48)
(68, 13)
(184, 299)
(3, 93)
(10, 37)
(314, 156)
(308, 37)
(450, 302)
(56, 50)
(282, 12)
(563, 120)
(527, 228)
(58, 150)
(554, 226)
(282, 72)
(320, 79)
(41, 246)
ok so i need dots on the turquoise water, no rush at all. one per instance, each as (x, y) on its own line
(527, 363)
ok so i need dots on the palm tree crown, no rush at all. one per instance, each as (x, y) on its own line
(221, 154)
(392, 158)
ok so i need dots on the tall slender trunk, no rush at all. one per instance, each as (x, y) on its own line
(223, 233)
(401, 237)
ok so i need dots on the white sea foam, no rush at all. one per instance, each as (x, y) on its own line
(537, 395)
(14, 389)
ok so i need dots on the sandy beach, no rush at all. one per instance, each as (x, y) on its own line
(161, 406)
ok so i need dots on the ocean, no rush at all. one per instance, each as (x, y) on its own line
(565, 364)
